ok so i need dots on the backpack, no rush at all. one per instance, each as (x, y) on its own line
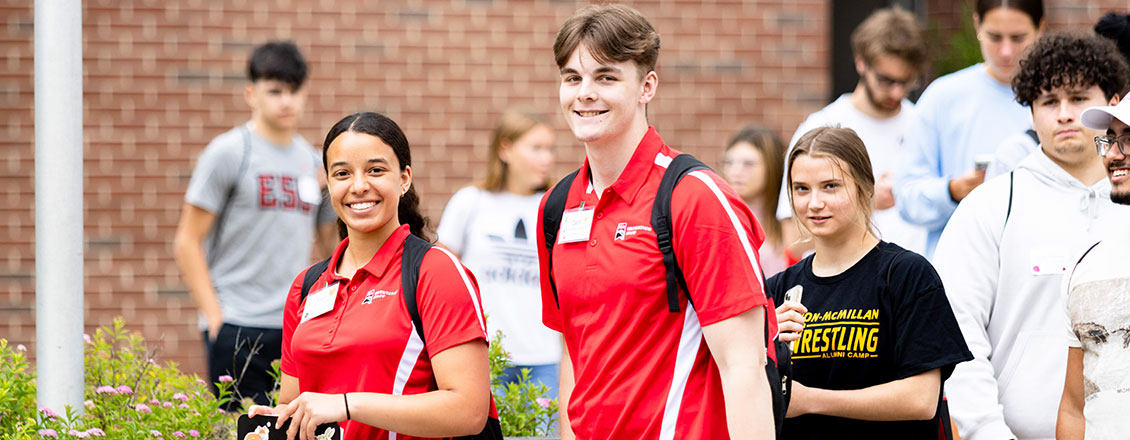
(777, 372)
(414, 250)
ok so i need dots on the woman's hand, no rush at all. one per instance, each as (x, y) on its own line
(308, 411)
(261, 410)
(790, 320)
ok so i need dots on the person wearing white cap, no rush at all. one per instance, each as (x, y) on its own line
(1095, 396)
(1004, 253)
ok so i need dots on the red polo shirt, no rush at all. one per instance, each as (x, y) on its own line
(367, 342)
(641, 371)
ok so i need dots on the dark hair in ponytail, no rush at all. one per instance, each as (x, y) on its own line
(376, 124)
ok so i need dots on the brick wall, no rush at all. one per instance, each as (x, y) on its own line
(162, 77)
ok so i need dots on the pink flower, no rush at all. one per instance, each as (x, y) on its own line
(125, 389)
(201, 381)
(194, 433)
(226, 379)
(180, 396)
(167, 404)
(89, 404)
(179, 434)
(47, 412)
(21, 347)
(48, 433)
(155, 433)
(543, 402)
(106, 389)
(79, 434)
(154, 402)
(86, 338)
(221, 411)
(183, 405)
(144, 409)
(95, 432)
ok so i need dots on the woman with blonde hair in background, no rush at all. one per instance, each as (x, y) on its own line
(753, 164)
(491, 226)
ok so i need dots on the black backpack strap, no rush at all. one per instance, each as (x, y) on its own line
(1081, 257)
(218, 223)
(1032, 134)
(311, 277)
(551, 221)
(414, 250)
(679, 167)
(1008, 212)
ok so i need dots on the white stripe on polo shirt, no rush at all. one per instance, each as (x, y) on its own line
(407, 364)
(742, 236)
(689, 342)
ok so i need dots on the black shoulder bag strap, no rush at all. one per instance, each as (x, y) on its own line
(311, 277)
(679, 167)
(1032, 134)
(551, 221)
(414, 250)
(218, 223)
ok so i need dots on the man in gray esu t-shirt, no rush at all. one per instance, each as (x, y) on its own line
(248, 223)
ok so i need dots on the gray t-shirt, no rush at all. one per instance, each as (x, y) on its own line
(264, 236)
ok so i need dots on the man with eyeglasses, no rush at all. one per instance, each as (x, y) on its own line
(1095, 397)
(1004, 253)
(890, 53)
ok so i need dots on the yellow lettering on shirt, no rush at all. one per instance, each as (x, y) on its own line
(844, 333)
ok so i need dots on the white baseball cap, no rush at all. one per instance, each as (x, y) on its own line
(1098, 118)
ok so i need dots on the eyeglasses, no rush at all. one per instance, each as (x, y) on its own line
(886, 83)
(1104, 142)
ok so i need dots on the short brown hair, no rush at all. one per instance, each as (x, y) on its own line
(848, 152)
(613, 33)
(511, 126)
(890, 31)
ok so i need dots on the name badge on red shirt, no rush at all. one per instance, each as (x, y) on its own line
(575, 225)
(320, 302)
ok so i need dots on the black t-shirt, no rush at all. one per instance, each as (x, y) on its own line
(860, 332)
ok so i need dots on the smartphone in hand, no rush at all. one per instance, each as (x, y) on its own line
(262, 427)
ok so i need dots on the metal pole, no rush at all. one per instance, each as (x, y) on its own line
(58, 204)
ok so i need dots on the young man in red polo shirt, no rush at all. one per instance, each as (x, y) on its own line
(631, 368)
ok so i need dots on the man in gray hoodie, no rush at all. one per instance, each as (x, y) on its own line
(1004, 252)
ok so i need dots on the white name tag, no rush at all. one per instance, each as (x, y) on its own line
(1047, 262)
(309, 191)
(576, 224)
(319, 303)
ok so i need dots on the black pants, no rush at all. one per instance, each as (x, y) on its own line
(245, 354)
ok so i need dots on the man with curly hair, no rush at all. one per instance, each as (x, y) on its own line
(1003, 255)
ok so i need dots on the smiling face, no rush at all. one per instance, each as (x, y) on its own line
(1055, 117)
(603, 102)
(365, 184)
(823, 198)
(1004, 34)
(1118, 164)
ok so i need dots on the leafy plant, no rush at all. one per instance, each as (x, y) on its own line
(128, 396)
(523, 408)
(961, 47)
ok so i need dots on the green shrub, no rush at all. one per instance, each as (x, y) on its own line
(523, 408)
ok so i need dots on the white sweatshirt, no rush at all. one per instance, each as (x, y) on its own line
(1004, 286)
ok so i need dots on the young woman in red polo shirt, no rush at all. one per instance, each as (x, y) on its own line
(350, 351)
(879, 337)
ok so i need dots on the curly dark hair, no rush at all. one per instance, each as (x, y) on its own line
(1070, 59)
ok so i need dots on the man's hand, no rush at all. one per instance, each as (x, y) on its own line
(962, 186)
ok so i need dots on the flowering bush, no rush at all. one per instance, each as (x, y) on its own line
(128, 395)
(523, 408)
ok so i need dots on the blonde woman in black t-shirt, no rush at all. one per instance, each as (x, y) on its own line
(879, 337)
